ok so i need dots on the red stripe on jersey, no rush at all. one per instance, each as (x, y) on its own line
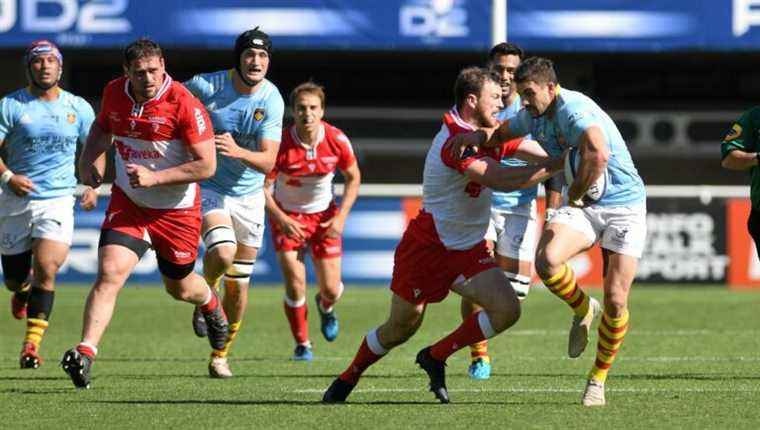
(456, 126)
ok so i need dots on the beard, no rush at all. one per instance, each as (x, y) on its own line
(486, 120)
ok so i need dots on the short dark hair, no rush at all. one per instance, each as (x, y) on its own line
(537, 69)
(471, 81)
(309, 87)
(141, 48)
(505, 48)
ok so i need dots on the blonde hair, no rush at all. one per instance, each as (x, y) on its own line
(309, 87)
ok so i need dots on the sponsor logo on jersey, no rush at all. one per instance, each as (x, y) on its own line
(734, 133)
(180, 254)
(71, 118)
(330, 160)
(128, 153)
(258, 114)
(199, 121)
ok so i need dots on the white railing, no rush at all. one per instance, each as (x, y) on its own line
(704, 192)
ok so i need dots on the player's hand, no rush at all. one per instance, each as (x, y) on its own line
(21, 185)
(334, 226)
(90, 176)
(461, 147)
(141, 176)
(292, 228)
(226, 145)
(89, 199)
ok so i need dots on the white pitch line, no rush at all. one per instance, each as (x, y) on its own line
(544, 390)
(695, 332)
(663, 359)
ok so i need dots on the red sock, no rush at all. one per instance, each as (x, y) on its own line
(326, 304)
(466, 334)
(86, 350)
(299, 325)
(363, 359)
(211, 305)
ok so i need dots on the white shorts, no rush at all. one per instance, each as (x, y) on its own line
(246, 212)
(621, 229)
(514, 233)
(51, 219)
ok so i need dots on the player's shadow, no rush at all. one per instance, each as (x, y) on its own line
(32, 391)
(208, 402)
(317, 402)
(689, 377)
(32, 378)
(253, 376)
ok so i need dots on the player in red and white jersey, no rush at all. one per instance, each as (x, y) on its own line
(304, 215)
(443, 247)
(165, 145)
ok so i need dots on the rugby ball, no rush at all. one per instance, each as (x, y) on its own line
(597, 190)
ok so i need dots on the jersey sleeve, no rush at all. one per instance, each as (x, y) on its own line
(462, 163)
(574, 119)
(199, 86)
(519, 125)
(194, 122)
(740, 135)
(86, 117)
(509, 148)
(8, 112)
(271, 128)
(346, 158)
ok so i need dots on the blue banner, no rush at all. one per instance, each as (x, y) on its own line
(308, 24)
(371, 234)
(641, 25)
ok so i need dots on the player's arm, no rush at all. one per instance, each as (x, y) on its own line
(490, 173)
(553, 191)
(92, 161)
(740, 160)
(735, 147)
(202, 166)
(594, 155)
(262, 160)
(350, 194)
(289, 226)
(19, 184)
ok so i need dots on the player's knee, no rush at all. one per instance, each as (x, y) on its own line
(176, 291)
(332, 291)
(46, 269)
(615, 303)
(16, 269)
(547, 262)
(503, 309)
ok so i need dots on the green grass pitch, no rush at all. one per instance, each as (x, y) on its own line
(690, 360)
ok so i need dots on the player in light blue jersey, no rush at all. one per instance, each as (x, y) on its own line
(559, 118)
(40, 126)
(246, 110)
(513, 226)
